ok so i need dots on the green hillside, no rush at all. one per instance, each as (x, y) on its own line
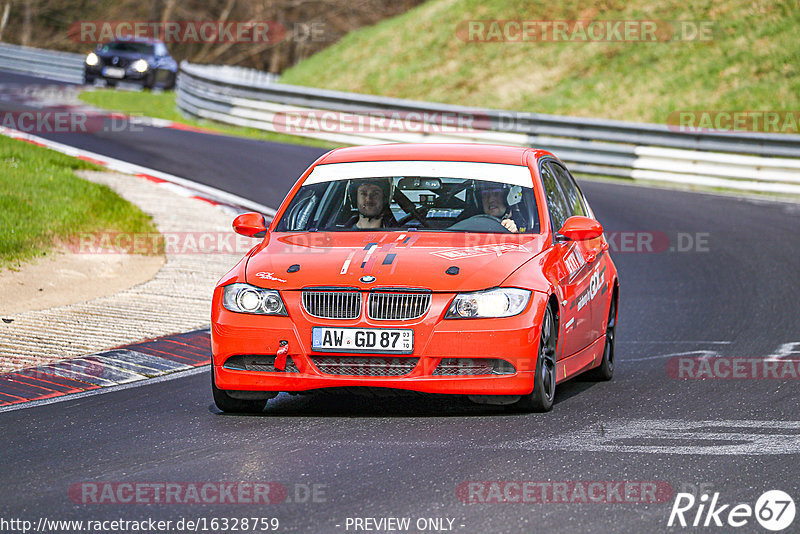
(750, 62)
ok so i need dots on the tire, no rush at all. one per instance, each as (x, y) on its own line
(226, 403)
(544, 380)
(605, 371)
(170, 85)
(111, 83)
(149, 81)
(88, 80)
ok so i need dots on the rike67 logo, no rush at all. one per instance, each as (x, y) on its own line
(774, 510)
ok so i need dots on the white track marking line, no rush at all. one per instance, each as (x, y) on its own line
(660, 436)
(784, 351)
(677, 342)
(700, 353)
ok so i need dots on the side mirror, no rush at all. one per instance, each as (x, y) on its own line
(250, 224)
(578, 228)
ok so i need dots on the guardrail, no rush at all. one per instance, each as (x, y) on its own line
(62, 66)
(740, 160)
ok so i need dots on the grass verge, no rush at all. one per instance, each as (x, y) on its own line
(43, 203)
(161, 105)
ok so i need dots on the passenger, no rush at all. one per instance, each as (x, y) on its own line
(495, 203)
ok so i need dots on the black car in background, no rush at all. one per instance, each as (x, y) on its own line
(144, 61)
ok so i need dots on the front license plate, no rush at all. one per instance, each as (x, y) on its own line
(383, 340)
(113, 72)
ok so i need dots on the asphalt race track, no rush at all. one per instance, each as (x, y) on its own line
(733, 292)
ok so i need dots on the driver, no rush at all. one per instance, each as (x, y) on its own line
(371, 197)
(494, 198)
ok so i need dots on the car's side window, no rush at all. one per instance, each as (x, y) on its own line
(574, 198)
(556, 204)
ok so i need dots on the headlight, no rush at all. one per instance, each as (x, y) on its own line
(500, 302)
(140, 65)
(244, 298)
(92, 59)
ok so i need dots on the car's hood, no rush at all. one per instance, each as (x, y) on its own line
(395, 259)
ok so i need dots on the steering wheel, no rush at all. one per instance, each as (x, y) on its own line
(482, 220)
(487, 217)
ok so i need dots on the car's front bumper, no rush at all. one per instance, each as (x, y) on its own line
(130, 75)
(513, 339)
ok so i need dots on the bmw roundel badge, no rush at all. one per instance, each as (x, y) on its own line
(368, 279)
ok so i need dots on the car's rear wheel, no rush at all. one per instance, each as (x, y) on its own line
(544, 381)
(605, 371)
(227, 403)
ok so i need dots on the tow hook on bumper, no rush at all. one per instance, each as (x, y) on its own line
(280, 356)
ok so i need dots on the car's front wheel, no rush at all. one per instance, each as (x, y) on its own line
(170, 85)
(605, 371)
(544, 381)
(226, 402)
(149, 81)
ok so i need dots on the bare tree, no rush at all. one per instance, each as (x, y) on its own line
(46, 23)
(25, 39)
(4, 20)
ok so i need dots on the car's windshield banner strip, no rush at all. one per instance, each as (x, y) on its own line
(490, 172)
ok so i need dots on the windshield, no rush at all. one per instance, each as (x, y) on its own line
(414, 203)
(128, 46)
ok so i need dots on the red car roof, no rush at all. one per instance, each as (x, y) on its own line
(511, 155)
